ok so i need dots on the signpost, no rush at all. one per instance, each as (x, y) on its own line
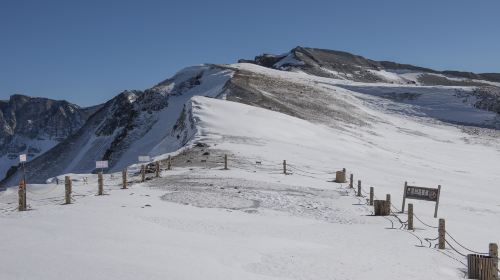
(22, 159)
(100, 184)
(23, 185)
(421, 193)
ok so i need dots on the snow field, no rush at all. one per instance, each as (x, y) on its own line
(253, 222)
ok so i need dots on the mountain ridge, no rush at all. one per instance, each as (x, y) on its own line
(312, 84)
(337, 58)
(33, 125)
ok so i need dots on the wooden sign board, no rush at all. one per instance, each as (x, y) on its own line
(421, 193)
(101, 164)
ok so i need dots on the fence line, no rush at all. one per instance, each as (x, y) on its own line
(294, 169)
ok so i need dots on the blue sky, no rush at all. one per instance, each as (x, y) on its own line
(88, 51)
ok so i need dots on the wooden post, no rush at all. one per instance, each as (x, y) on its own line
(388, 204)
(442, 233)
(473, 266)
(437, 201)
(494, 254)
(359, 188)
(67, 187)
(284, 167)
(143, 173)
(225, 162)
(410, 216)
(25, 200)
(487, 269)
(481, 267)
(351, 181)
(372, 194)
(100, 184)
(343, 176)
(404, 198)
(340, 176)
(22, 196)
(169, 163)
(124, 178)
(157, 169)
(380, 208)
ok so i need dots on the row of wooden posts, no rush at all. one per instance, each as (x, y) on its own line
(483, 267)
(100, 183)
(479, 266)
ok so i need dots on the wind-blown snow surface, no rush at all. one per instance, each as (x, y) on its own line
(452, 104)
(251, 222)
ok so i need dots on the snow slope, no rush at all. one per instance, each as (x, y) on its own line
(253, 222)
(450, 104)
(453, 104)
(133, 123)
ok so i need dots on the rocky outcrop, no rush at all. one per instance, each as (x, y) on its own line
(33, 125)
(344, 65)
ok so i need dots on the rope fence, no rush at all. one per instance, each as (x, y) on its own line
(280, 168)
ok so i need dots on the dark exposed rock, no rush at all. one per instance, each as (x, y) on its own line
(339, 64)
(38, 118)
(488, 98)
(32, 125)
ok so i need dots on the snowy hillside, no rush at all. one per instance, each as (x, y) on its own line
(253, 222)
(131, 124)
(321, 111)
(155, 121)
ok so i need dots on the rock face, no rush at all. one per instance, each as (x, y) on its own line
(32, 125)
(344, 65)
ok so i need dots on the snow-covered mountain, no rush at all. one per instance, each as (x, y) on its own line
(311, 84)
(33, 125)
(133, 123)
(400, 82)
(253, 221)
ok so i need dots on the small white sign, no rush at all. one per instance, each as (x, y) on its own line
(22, 158)
(101, 164)
(144, 158)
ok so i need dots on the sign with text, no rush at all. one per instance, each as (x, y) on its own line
(421, 193)
(22, 158)
(101, 164)
(144, 158)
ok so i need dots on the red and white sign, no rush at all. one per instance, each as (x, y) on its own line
(22, 158)
(101, 164)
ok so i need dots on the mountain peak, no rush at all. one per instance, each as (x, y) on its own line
(344, 65)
